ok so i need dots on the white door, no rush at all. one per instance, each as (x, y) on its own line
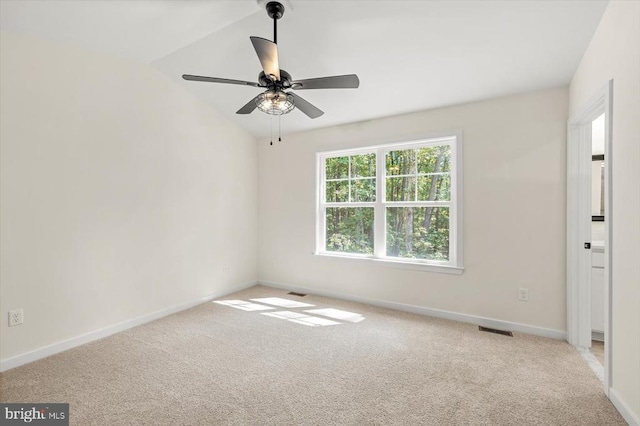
(580, 227)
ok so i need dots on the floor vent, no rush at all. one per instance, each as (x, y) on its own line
(493, 330)
(293, 293)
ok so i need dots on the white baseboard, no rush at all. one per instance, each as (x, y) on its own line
(593, 363)
(598, 336)
(18, 360)
(630, 417)
(455, 316)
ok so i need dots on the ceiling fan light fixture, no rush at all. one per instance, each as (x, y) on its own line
(275, 102)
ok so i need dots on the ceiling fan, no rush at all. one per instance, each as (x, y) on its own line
(275, 100)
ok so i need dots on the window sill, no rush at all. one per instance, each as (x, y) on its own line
(417, 266)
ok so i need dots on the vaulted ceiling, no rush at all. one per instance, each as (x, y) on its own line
(409, 55)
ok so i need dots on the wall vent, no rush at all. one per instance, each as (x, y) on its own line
(493, 330)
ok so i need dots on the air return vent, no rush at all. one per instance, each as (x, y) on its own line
(293, 293)
(493, 330)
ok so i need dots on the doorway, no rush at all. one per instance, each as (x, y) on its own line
(598, 223)
(589, 221)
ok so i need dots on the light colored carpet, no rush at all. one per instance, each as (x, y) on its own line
(219, 365)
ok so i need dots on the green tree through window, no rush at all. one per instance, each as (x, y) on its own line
(350, 179)
(415, 175)
(391, 202)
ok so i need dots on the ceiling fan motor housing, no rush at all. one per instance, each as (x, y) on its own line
(283, 83)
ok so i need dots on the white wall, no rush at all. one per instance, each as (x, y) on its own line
(614, 53)
(514, 211)
(121, 194)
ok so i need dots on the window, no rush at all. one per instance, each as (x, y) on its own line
(398, 203)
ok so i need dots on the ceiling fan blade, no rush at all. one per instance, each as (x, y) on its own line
(349, 81)
(268, 54)
(219, 80)
(304, 106)
(249, 107)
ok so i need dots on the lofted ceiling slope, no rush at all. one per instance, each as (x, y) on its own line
(409, 55)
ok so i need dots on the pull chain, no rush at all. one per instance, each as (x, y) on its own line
(279, 128)
(271, 120)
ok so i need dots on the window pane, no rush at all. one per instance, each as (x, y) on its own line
(434, 188)
(401, 162)
(350, 229)
(418, 232)
(363, 190)
(434, 159)
(337, 191)
(401, 189)
(363, 165)
(337, 167)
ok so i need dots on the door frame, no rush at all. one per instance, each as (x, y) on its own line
(579, 224)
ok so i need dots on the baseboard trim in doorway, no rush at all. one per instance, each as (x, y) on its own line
(623, 408)
(593, 363)
(52, 349)
(455, 316)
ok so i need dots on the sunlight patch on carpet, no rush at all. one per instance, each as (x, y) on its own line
(303, 319)
(285, 314)
(320, 317)
(283, 303)
(241, 304)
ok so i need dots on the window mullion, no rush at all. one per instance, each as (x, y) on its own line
(354, 204)
(379, 246)
(349, 181)
(321, 228)
(415, 174)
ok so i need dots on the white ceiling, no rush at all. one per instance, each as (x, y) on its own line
(141, 30)
(409, 55)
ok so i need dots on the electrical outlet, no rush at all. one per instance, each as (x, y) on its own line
(523, 294)
(16, 317)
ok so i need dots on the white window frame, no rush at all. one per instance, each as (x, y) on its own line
(455, 263)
